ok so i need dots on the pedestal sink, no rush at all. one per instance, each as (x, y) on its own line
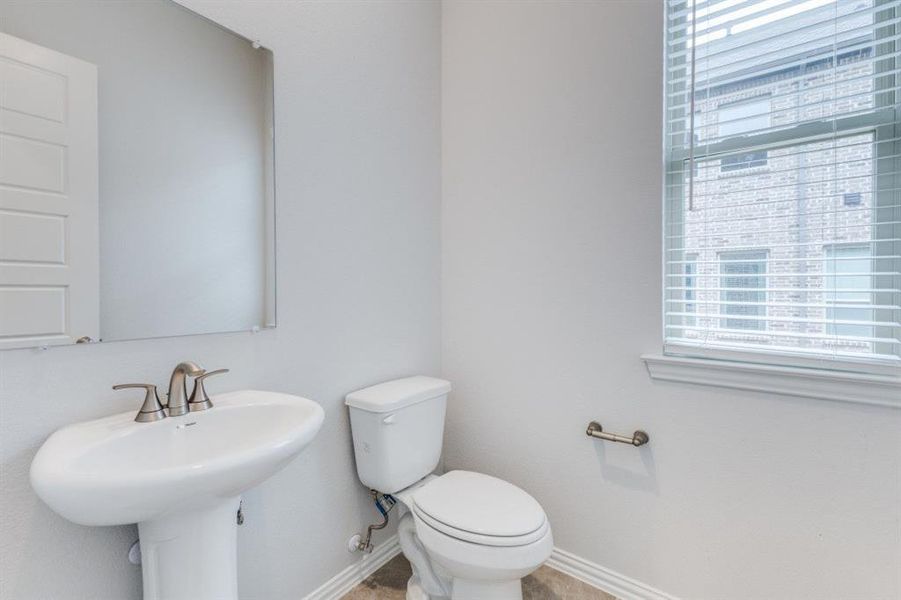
(180, 479)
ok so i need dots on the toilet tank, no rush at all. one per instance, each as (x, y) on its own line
(398, 429)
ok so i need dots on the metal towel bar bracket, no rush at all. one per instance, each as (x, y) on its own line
(639, 438)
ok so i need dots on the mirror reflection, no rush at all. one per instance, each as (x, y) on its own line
(136, 174)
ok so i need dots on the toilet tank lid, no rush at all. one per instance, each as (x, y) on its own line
(398, 393)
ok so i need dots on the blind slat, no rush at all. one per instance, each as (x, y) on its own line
(710, 146)
(879, 242)
(866, 207)
(824, 291)
(863, 162)
(789, 334)
(865, 143)
(710, 346)
(779, 275)
(889, 257)
(738, 317)
(826, 229)
(676, 106)
(792, 305)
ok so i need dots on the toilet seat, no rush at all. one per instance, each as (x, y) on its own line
(482, 540)
(480, 509)
(477, 562)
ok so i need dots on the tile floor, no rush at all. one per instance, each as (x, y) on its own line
(390, 583)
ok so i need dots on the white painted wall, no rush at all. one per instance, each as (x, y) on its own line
(551, 287)
(551, 259)
(183, 143)
(357, 163)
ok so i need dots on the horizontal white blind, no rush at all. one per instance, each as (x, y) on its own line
(782, 236)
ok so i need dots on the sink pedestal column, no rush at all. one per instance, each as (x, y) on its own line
(191, 555)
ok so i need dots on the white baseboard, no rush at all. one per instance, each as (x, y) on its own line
(617, 584)
(345, 581)
(624, 588)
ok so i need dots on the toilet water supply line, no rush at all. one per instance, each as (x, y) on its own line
(383, 503)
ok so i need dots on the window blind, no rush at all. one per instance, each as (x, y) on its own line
(782, 233)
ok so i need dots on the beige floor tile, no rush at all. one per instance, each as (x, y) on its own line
(390, 583)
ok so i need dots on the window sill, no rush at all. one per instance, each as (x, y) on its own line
(879, 390)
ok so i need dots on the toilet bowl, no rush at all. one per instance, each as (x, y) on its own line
(481, 535)
(468, 536)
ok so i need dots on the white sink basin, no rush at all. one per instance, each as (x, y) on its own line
(179, 478)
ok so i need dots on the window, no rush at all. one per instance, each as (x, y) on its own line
(797, 263)
(745, 160)
(743, 290)
(736, 118)
(848, 282)
(852, 199)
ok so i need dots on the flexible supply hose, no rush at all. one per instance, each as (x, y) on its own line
(381, 500)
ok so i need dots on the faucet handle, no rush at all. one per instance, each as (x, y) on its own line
(199, 399)
(151, 410)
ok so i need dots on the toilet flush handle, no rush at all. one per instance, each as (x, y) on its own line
(389, 420)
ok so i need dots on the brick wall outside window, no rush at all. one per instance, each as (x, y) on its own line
(792, 205)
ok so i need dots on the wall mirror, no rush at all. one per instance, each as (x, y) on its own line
(136, 174)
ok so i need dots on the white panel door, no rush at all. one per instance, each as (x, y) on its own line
(49, 242)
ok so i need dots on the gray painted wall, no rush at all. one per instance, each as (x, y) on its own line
(358, 176)
(551, 218)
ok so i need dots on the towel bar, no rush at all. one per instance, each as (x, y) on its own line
(639, 438)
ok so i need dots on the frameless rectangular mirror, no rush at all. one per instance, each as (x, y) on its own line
(136, 174)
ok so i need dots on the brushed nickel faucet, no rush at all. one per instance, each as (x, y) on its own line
(178, 388)
(178, 402)
(151, 410)
(199, 399)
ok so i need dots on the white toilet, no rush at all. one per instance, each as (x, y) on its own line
(468, 536)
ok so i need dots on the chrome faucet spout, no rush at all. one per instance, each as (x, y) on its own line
(178, 389)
